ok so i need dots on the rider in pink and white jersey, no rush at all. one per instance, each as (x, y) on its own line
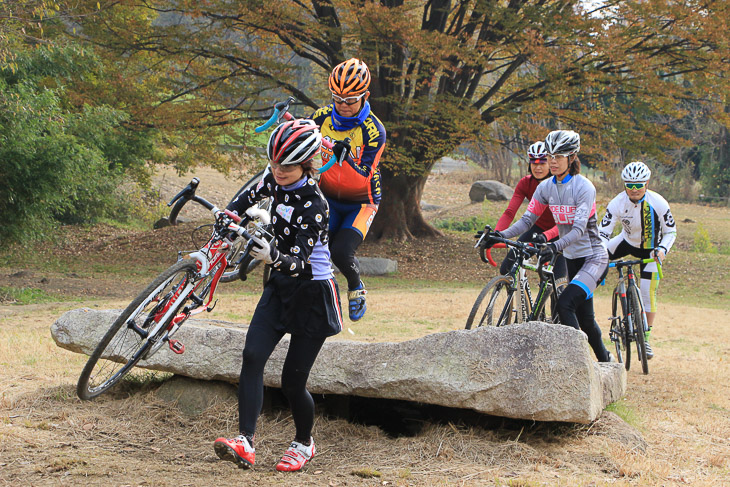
(571, 199)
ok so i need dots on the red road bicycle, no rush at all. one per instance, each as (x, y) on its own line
(183, 290)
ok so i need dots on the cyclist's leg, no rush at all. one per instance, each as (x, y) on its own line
(356, 218)
(356, 221)
(297, 365)
(342, 249)
(263, 335)
(649, 286)
(575, 305)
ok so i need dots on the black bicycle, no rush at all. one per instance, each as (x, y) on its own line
(507, 299)
(631, 325)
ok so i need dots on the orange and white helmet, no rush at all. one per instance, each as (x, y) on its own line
(351, 77)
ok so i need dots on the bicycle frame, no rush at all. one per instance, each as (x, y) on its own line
(624, 328)
(530, 309)
(213, 255)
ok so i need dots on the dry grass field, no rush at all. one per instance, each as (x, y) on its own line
(672, 428)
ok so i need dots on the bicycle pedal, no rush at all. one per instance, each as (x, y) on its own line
(176, 346)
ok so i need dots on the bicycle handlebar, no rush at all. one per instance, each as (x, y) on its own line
(188, 194)
(281, 110)
(625, 263)
(488, 253)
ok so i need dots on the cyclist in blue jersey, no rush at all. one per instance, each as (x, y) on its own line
(648, 230)
(352, 189)
(571, 199)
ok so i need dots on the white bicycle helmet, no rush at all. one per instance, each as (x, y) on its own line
(636, 172)
(562, 142)
(537, 150)
(294, 142)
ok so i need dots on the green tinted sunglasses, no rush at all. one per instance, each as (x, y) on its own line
(634, 185)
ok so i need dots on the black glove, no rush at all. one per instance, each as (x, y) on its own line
(546, 253)
(489, 240)
(539, 238)
(340, 149)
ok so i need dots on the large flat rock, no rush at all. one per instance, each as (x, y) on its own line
(530, 371)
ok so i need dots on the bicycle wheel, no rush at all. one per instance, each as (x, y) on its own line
(618, 333)
(495, 305)
(122, 347)
(637, 318)
(239, 246)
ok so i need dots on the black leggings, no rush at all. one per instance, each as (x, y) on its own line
(559, 269)
(342, 249)
(261, 340)
(576, 310)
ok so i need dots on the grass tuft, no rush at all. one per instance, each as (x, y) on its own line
(25, 295)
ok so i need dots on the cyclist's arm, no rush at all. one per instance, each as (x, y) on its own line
(585, 207)
(551, 233)
(605, 227)
(247, 199)
(669, 229)
(538, 204)
(514, 204)
(373, 146)
(522, 225)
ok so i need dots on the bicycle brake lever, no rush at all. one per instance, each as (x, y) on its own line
(190, 188)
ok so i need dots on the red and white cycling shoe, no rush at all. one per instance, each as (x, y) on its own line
(296, 456)
(237, 450)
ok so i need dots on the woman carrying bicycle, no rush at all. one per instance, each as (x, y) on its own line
(572, 200)
(353, 188)
(544, 229)
(647, 224)
(300, 298)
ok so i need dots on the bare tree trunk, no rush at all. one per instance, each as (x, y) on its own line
(399, 216)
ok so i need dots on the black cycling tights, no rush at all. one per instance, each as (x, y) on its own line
(577, 311)
(342, 248)
(260, 343)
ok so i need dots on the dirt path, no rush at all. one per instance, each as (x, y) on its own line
(681, 410)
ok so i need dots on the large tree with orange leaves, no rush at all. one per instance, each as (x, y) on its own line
(442, 69)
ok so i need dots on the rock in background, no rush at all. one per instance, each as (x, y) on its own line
(491, 190)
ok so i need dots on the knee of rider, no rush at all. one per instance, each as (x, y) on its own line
(290, 387)
(341, 255)
(571, 298)
(251, 357)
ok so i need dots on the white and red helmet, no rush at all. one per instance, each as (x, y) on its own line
(537, 150)
(294, 142)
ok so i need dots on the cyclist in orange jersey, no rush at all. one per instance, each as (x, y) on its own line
(353, 188)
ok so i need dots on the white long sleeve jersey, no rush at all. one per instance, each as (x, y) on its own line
(647, 224)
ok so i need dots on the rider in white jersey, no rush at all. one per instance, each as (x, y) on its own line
(571, 199)
(647, 224)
